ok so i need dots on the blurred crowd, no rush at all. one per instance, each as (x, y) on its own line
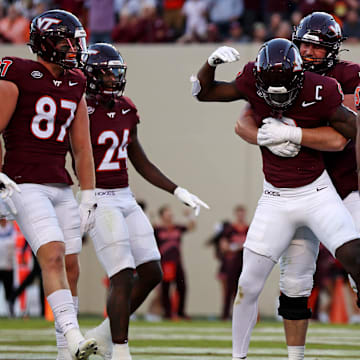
(183, 21)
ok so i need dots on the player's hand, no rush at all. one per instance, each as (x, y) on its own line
(7, 188)
(190, 199)
(274, 131)
(285, 149)
(224, 54)
(87, 209)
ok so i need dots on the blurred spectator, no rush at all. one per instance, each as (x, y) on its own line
(151, 27)
(274, 23)
(169, 236)
(259, 32)
(223, 13)
(236, 33)
(195, 12)
(283, 31)
(101, 19)
(127, 30)
(251, 14)
(351, 28)
(14, 27)
(174, 19)
(231, 248)
(295, 18)
(213, 34)
(7, 258)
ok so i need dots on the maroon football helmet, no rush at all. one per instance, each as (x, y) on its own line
(57, 36)
(321, 29)
(279, 73)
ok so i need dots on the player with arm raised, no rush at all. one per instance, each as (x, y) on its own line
(297, 190)
(318, 38)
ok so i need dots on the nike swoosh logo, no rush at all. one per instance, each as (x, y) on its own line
(125, 111)
(72, 83)
(321, 188)
(306, 104)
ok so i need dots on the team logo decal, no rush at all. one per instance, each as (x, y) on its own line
(90, 110)
(37, 74)
(111, 115)
(46, 22)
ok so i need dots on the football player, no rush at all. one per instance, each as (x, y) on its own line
(318, 38)
(43, 114)
(123, 236)
(297, 190)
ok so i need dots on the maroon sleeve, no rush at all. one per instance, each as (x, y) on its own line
(133, 109)
(347, 74)
(245, 78)
(334, 96)
(11, 69)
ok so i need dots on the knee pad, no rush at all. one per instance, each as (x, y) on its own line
(294, 308)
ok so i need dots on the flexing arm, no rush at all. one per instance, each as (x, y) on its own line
(81, 147)
(210, 90)
(357, 148)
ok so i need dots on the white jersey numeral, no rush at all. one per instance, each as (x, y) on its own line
(107, 162)
(43, 123)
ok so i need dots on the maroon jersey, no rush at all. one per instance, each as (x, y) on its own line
(110, 135)
(169, 241)
(37, 136)
(236, 234)
(341, 165)
(316, 102)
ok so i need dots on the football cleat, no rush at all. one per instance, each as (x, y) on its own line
(86, 348)
(104, 344)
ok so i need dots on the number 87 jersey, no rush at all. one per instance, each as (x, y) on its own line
(37, 135)
(111, 130)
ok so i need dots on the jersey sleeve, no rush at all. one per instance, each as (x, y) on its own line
(334, 97)
(244, 78)
(10, 70)
(133, 109)
(351, 79)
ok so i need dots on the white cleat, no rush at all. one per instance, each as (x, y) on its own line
(86, 348)
(103, 343)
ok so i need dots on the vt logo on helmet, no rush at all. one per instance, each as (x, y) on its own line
(57, 36)
(279, 73)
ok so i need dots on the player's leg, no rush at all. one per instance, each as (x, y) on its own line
(67, 211)
(146, 256)
(270, 233)
(38, 222)
(297, 267)
(180, 281)
(112, 245)
(333, 224)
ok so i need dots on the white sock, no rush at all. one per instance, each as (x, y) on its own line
(256, 269)
(62, 305)
(296, 352)
(121, 352)
(76, 304)
(60, 338)
(104, 329)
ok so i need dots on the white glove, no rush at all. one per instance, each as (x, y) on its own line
(285, 149)
(7, 187)
(87, 210)
(190, 199)
(274, 131)
(352, 284)
(224, 54)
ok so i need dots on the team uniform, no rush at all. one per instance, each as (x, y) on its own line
(299, 260)
(123, 236)
(36, 142)
(297, 191)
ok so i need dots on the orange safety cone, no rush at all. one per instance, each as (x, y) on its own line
(338, 310)
(49, 316)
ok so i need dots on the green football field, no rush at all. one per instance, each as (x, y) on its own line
(202, 340)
